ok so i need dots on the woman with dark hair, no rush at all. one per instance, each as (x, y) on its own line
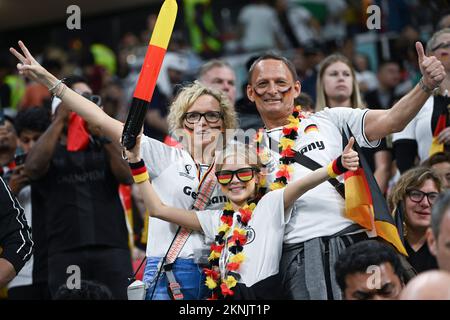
(410, 202)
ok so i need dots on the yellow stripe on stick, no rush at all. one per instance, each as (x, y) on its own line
(164, 24)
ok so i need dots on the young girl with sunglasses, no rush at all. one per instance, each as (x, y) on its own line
(248, 237)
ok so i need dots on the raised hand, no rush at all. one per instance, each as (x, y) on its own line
(30, 68)
(134, 155)
(432, 70)
(350, 159)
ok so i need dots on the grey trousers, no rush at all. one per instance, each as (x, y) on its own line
(307, 268)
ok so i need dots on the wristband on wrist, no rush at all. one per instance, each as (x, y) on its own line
(425, 88)
(336, 168)
(56, 87)
(139, 171)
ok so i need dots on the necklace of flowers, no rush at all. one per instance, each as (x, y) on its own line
(222, 286)
(285, 145)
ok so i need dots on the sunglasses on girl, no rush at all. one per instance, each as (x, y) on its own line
(224, 177)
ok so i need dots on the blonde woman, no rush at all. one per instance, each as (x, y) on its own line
(337, 87)
(200, 116)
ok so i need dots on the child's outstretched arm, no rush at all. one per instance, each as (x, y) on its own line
(183, 217)
(348, 161)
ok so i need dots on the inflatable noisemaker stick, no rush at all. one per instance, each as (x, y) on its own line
(149, 72)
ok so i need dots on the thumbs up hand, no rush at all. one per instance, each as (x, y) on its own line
(432, 70)
(350, 159)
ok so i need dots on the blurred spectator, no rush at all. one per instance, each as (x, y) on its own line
(439, 235)
(440, 164)
(219, 74)
(146, 34)
(89, 290)
(205, 38)
(155, 124)
(259, 27)
(171, 74)
(249, 117)
(334, 28)
(429, 131)
(31, 281)
(410, 202)
(305, 101)
(16, 245)
(113, 100)
(313, 54)
(367, 80)
(104, 57)
(430, 285)
(35, 93)
(12, 86)
(337, 87)
(444, 21)
(8, 146)
(298, 25)
(78, 192)
(395, 15)
(358, 264)
(385, 95)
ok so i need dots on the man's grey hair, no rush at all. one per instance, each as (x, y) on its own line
(211, 64)
(431, 44)
(440, 209)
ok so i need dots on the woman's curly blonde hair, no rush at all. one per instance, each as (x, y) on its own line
(186, 98)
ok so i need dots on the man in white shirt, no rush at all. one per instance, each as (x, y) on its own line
(316, 232)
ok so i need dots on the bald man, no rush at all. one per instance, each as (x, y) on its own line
(429, 285)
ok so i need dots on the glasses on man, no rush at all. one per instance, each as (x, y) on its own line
(444, 45)
(263, 86)
(224, 177)
(210, 116)
(417, 196)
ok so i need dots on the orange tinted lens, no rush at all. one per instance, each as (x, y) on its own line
(224, 177)
(245, 175)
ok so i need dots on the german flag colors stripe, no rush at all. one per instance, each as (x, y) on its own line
(366, 205)
(156, 50)
(435, 145)
(311, 128)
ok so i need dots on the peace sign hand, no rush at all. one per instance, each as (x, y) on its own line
(30, 68)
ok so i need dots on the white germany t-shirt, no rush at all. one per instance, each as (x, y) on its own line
(175, 179)
(320, 211)
(419, 129)
(265, 236)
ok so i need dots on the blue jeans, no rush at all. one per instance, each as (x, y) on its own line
(188, 274)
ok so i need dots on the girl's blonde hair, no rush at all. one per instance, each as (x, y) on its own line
(238, 153)
(321, 100)
(186, 98)
(411, 179)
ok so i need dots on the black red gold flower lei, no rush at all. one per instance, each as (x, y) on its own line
(222, 287)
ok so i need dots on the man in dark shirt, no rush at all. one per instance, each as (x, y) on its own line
(77, 191)
(15, 236)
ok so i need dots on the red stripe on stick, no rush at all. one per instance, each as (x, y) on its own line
(149, 73)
